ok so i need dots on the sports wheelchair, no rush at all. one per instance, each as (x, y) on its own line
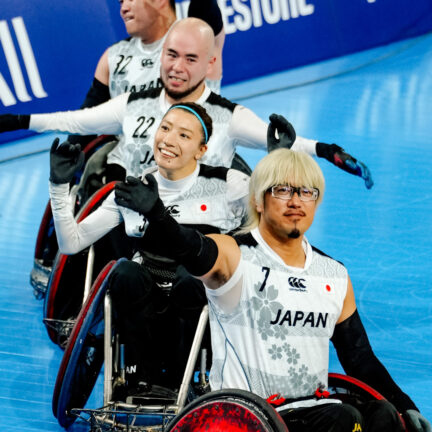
(93, 342)
(84, 185)
(62, 280)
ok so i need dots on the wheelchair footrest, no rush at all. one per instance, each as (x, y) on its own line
(62, 328)
(120, 416)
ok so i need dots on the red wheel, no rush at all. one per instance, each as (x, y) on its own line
(84, 354)
(351, 390)
(65, 290)
(228, 411)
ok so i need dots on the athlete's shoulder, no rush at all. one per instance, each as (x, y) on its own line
(245, 239)
(325, 256)
(218, 100)
(152, 93)
(237, 176)
(218, 172)
(120, 43)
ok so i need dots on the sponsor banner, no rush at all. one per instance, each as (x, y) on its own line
(49, 50)
(266, 36)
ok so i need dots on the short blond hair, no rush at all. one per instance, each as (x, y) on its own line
(280, 167)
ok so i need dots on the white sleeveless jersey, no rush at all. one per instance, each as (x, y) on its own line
(276, 338)
(143, 114)
(134, 67)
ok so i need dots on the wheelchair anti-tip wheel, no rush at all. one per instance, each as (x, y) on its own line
(228, 411)
(84, 354)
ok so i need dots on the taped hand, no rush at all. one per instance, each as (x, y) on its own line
(65, 160)
(285, 131)
(337, 156)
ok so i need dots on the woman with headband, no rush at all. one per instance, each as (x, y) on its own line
(156, 326)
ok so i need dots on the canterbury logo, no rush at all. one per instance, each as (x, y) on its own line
(147, 63)
(296, 282)
(7, 96)
(173, 209)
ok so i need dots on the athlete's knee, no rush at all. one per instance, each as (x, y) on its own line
(349, 419)
(381, 415)
(129, 280)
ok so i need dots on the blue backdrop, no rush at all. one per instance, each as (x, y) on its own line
(49, 50)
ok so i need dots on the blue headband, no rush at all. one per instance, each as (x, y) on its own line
(196, 115)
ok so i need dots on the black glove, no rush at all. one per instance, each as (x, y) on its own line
(65, 160)
(140, 197)
(337, 156)
(285, 130)
(416, 422)
(11, 122)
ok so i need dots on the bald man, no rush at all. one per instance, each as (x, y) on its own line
(133, 64)
(188, 55)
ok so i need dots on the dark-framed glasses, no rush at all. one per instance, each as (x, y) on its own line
(286, 192)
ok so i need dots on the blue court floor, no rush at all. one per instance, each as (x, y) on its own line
(377, 104)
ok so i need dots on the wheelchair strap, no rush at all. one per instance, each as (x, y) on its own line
(319, 397)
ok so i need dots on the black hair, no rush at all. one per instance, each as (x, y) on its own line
(172, 5)
(201, 111)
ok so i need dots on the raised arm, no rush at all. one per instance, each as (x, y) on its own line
(106, 118)
(97, 94)
(213, 258)
(208, 11)
(248, 130)
(72, 237)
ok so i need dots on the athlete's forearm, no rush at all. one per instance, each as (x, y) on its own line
(358, 360)
(248, 130)
(106, 118)
(71, 236)
(208, 11)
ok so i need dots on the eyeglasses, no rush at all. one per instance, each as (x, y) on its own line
(286, 192)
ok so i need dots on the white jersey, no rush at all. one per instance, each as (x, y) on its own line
(275, 337)
(144, 112)
(135, 66)
(137, 117)
(212, 199)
